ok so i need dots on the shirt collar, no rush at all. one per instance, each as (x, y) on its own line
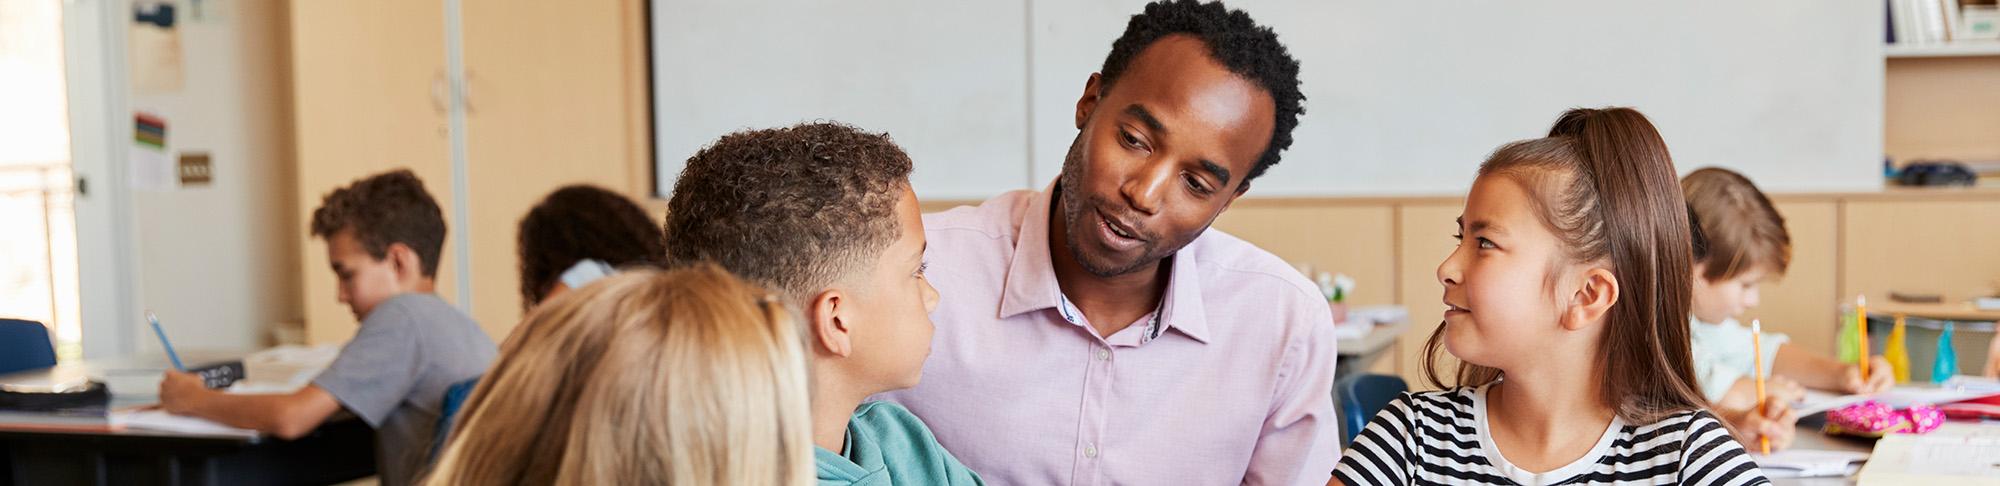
(1031, 277)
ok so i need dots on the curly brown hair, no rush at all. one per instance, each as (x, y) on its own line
(582, 222)
(383, 209)
(794, 208)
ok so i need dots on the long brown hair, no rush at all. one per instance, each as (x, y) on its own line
(1602, 181)
(651, 377)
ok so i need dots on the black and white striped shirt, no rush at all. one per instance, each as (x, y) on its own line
(1441, 437)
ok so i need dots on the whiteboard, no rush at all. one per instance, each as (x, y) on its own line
(1403, 98)
(946, 80)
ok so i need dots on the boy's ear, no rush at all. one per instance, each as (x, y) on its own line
(405, 261)
(830, 328)
(1592, 300)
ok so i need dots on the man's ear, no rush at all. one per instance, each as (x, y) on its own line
(1088, 102)
(1593, 299)
(830, 328)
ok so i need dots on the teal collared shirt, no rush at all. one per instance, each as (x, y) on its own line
(887, 445)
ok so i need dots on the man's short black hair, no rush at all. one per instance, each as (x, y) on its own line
(1234, 40)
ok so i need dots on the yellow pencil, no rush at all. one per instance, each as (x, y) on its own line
(1757, 368)
(1861, 319)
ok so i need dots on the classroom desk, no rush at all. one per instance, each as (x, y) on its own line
(343, 449)
(1810, 438)
(1354, 355)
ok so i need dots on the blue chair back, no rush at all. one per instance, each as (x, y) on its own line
(454, 399)
(1362, 398)
(25, 345)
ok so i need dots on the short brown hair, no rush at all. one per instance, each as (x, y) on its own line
(382, 209)
(580, 222)
(1743, 230)
(794, 208)
(1602, 181)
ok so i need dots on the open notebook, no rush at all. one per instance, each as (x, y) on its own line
(156, 419)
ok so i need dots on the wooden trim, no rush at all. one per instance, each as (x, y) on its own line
(638, 88)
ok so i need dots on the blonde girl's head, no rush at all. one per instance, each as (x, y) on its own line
(687, 376)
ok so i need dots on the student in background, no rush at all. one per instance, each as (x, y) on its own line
(687, 376)
(1565, 302)
(384, 235)
(578, 234)
(823, 213)
(1745, 245)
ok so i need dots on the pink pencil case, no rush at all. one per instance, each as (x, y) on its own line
(1875, 419)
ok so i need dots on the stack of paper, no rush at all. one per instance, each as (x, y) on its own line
(1797, 463)
(1958, 453)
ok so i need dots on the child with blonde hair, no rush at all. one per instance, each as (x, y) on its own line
(687, 376)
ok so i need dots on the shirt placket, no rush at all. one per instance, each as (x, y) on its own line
(1097, 381)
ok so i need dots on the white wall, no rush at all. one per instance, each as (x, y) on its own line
(218, 262)
(1404, 98)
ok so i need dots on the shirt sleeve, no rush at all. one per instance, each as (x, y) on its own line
(1381, 453)
(1720, 357)
(376, 369)
(1709, 455)
(1300, 440)
(1772, 340)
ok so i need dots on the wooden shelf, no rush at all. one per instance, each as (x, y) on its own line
(1943, 49)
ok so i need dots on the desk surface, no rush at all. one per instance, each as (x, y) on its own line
(1810, 438)
(133, 381)
(1378, 338)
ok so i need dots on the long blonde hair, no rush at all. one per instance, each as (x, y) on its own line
(686, 376)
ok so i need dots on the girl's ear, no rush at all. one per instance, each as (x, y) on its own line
(1592, 300)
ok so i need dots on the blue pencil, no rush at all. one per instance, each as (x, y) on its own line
(163, 341)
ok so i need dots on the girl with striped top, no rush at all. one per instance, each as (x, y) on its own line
(1566, 306)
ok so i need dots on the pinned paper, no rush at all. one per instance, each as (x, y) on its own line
(154, 48)
(150, 164)
(151, 169)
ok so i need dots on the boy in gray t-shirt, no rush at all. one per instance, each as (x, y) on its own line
(383, 237)
(394, 373)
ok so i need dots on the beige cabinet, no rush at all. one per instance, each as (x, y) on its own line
(555, 93)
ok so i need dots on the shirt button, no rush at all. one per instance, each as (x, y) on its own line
(1090, 452)
(1103, 354)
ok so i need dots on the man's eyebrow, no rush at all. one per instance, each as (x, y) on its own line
(1217, 169)
(1145, 117)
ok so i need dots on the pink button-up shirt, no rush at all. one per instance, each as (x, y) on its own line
(1236, 387)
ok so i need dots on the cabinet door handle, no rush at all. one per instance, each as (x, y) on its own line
(440, 93)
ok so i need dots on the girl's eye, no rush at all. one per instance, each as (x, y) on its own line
(1486, 244)
(921, 268)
